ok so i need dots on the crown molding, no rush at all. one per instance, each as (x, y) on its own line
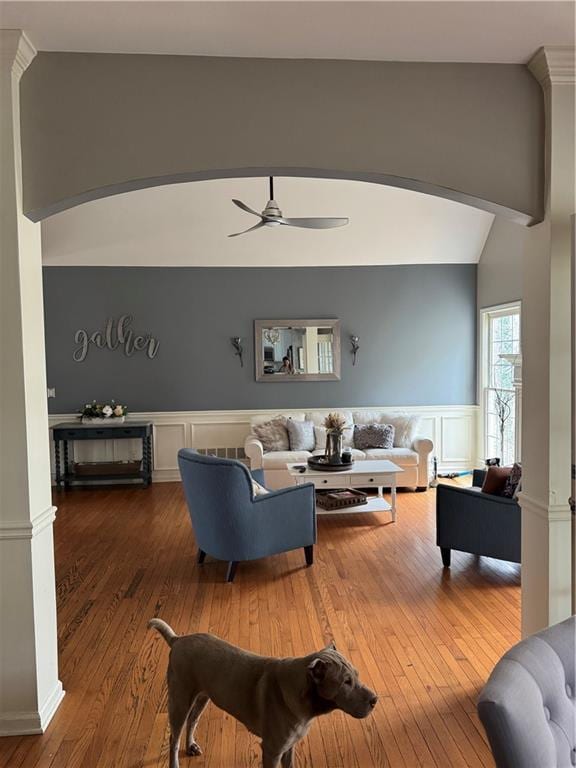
(16, 50)
(553, 65)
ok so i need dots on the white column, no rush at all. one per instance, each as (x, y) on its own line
(30, 690)
(546, 425)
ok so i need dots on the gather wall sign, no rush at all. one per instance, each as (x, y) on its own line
(117, 334)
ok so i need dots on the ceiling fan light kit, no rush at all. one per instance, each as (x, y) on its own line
(272, 216)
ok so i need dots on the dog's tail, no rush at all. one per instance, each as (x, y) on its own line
(165, 630)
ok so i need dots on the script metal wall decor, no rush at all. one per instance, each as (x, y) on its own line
(116, 334)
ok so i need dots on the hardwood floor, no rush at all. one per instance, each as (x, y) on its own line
(425, 639)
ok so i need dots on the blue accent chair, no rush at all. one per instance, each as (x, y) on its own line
(471, 521)
(232, 524)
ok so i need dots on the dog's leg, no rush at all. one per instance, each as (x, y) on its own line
(287, 758)
(178, 708)
(200, 702)
(270, 757)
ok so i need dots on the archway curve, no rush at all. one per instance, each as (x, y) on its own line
(390, 180)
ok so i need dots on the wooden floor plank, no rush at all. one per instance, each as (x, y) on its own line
(423, 637)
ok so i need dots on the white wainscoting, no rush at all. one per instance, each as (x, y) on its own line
(452, 429)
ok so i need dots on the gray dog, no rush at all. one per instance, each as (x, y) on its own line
(276, 699)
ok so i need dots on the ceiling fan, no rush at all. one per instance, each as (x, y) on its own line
(271, 216)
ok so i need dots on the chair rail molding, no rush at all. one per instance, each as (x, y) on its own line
(452, 429)
(17, 529)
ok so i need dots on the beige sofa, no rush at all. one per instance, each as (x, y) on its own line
(410, 452)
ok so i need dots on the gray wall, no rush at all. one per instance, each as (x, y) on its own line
(94, 124)
(416, 326)
(501, 264)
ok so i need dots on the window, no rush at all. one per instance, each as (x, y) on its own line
(501, 382)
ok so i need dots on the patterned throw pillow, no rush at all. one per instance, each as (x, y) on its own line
(300, 435)
(513, 482)
(273, 435)
(373, 436)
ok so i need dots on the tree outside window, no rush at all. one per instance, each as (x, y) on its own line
(502, 337)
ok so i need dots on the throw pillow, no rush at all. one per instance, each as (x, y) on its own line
(259, 490)
(513, 482)
(373, 436)
(273, 434)
(300, 435)
(495, 480)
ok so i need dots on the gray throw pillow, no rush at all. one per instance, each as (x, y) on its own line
(373, 436)
(301, 435)
(273, 434)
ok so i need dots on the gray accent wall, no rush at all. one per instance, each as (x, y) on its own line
(417, 329)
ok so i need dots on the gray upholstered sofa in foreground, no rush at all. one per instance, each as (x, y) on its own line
(528, 705)
(480, 523)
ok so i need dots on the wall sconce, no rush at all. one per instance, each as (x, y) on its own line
(237, 344)
(355, 344)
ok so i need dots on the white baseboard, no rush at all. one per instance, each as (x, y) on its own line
(32, 723)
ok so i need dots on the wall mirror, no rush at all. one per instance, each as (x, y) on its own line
(297, 350)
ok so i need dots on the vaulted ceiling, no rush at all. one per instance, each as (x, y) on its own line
(188, 224)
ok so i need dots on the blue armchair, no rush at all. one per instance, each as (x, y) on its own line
(232, 524)
(471, 521)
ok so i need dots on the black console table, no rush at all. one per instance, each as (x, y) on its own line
(71, 431)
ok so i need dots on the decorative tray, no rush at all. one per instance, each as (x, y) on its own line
(340, 498)
(320, 464)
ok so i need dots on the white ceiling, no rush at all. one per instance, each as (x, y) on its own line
(188, 224)
(465, 31)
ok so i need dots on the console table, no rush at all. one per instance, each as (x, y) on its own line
(69, 432)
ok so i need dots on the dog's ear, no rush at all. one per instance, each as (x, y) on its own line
(317, 670)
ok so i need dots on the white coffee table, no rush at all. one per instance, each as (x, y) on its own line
(362, 474)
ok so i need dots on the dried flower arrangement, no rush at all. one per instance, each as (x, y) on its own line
(112, 410)
(335, 422)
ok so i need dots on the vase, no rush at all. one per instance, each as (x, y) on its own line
(333, 452)
(103, 419)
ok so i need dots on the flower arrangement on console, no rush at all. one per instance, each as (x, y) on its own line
(112, 410)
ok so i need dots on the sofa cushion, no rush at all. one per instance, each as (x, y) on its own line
(373, 436)
(404, 457)
(356, 454)
(264, 417)
(301, 435)
(405, 424)
(273, 434)
(279, 459)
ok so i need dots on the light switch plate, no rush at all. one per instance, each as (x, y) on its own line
(51, 391)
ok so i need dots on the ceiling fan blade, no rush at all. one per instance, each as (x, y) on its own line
(316, 223)
(244, 207)
(251, 229)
